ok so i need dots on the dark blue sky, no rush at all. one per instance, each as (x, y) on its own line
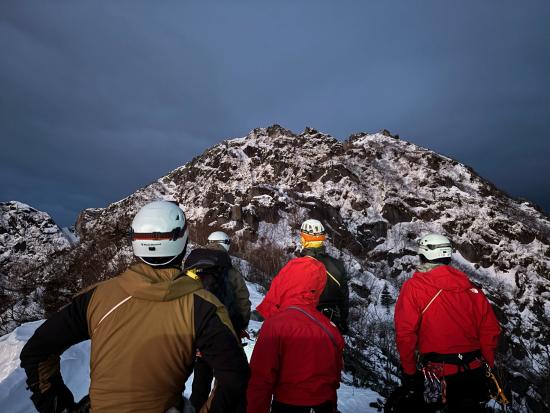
(100, 98)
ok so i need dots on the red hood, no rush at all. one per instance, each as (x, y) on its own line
(444, 277)
(300, 282)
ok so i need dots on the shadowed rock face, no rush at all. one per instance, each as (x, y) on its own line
(376, 196)
(28, 240)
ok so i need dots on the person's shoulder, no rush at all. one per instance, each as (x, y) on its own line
(326, 321)
(208, 296)
(412, 281)
(105, 284)
(337, 262)
(330, 327)
(293, 317)
(325, 257)
(219, 251)
(464, 279)
(278, 324)
(233, 272)
(285, 320)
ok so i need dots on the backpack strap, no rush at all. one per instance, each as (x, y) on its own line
(431, 301)
(328, 273)
(333, 278)
(326, 330)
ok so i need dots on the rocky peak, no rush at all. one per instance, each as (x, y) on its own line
(376, 196)
(26, 235)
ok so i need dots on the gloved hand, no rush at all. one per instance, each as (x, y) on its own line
(57, 399)
(256, 316)
(83, 406)
(413, 383)
(344, 328)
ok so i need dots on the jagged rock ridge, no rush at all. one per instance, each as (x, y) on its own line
(377, 195)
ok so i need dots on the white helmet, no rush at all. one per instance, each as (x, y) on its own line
(312, 227)
(435, 246)
(159, 229)
(220, 237)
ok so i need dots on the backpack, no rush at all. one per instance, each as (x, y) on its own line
(212, 266)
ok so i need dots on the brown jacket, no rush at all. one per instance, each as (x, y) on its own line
(145, 326)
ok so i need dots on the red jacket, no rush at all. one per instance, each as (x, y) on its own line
(460, 319)
(296, 360)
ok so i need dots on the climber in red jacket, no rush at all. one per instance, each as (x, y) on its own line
(297, 359)
(450, 322)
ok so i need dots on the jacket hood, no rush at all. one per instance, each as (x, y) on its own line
(300, 282)
(207, 258)
(145, 282)
(444, 277)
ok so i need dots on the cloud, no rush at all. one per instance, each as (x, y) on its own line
(100, 98)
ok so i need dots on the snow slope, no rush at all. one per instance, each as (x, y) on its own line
(14, 397)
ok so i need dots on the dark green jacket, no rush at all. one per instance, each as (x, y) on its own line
(241, 295)
(336, 293)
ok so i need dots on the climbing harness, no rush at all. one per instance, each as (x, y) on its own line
(435, 386)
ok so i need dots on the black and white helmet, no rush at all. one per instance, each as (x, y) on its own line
(312, 227)
(159, 230)
(220, 237)
(435, 246)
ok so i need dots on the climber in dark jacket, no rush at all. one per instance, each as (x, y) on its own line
(212, 266)
(334, 301)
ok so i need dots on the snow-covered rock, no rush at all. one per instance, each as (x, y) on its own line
(28, 239)
(27, 236)
(376, 196)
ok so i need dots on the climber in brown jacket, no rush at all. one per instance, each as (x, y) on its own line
(144, 326)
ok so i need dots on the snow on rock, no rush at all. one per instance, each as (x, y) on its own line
(27, 236)
(377, 195)
(28, 239)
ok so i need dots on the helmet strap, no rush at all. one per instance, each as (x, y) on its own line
(160, 264)
(175, 261)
